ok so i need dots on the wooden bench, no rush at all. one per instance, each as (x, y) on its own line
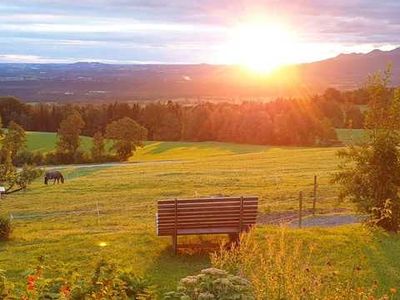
(220, 215)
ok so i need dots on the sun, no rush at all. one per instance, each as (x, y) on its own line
(261, 46)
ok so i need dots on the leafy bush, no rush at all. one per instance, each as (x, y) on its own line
(29, 158)
(106, 282)
(278, 267)
(369, 174)
(81, 157)
(23, 157)
(212, 284)
(5, 228)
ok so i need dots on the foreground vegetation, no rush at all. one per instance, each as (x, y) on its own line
(283, 264)
(62, 224)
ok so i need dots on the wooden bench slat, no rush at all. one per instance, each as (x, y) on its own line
(205, 213)
(206, 209)
(171, 225)
(216, 205)
(211, 199)
(192, 231)
(201, 204)
(171, 219)
(201, 219)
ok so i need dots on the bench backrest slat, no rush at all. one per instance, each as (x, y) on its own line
(238, 212)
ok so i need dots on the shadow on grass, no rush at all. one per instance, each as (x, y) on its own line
(193, 256)
(382, 255)
(84, 171)
(162, 147)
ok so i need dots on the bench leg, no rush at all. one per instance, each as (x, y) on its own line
(175, 243)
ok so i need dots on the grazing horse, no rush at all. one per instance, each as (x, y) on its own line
(56, 175)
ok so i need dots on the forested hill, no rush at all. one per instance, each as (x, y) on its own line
(105, 82)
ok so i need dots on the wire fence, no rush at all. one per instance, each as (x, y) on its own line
(310, 203)
(96, 211)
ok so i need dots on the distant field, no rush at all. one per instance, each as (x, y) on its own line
(61, 223)
(46, 141)
(351, 136)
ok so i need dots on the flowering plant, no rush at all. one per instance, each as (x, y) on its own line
(212, 283)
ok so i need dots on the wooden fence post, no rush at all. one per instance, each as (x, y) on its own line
(300, 208)
(98, 213)
(175, 235)
(314, 195)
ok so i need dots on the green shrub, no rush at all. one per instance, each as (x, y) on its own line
(5, 228)
(212, 283)
(106, 282)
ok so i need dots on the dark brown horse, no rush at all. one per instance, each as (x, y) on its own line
(55, 175)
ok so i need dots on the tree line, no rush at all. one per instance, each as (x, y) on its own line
(280, 122)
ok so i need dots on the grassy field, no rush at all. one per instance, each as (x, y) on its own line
(61, 222)
(351, 136)
(46, 141)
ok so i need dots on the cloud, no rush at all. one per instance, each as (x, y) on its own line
(22, 58)
(189, 31)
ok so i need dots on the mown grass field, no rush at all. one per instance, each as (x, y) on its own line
(46, 141)
(60, 222)
(351, 136)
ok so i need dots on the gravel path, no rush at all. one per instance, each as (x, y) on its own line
(328, 220)
(331, 218)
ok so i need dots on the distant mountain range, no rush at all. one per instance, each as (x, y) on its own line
(85, 81)
(348, 71)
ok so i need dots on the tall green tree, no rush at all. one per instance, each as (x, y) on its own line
(127, 136)
(13, 142)
(12, 179)
(12, 109)
(69, 136)
(98, 147)
(370, 173)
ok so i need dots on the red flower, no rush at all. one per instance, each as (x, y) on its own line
(65, 290)
(31, 282)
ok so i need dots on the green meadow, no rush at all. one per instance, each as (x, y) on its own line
(109, 211)
(46, 141)
(351, 136)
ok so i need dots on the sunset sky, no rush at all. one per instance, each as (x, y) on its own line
(189, 31)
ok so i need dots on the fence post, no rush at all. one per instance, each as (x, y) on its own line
(314, 195)
(98, 212)
(300, 208)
